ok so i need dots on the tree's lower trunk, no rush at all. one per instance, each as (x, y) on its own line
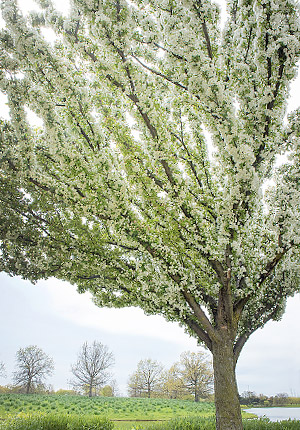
(90, 390)
(28, 386)
(228, 410)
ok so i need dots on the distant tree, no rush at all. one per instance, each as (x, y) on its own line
(90, 370)
(107, 391)
(110, 390)
(294, 400)
(249, 398)
(281, 399)
(172, 383)
(2, 369)
(64, 392)
(33, 366)
(197, 374)
(145, 380)
(4, 389)
(43, 389)
(134, 385)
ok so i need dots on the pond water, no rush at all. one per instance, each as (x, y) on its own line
(276, 414)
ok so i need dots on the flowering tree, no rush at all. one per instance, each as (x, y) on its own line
(118, 192)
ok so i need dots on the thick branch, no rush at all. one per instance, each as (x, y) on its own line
(225, 307)
(155, 72)
(218, 268)
(202, 335)
(200, 315)
(239, 344)
(272, 264)
(238, 308)
(204, 28)
(282, 59)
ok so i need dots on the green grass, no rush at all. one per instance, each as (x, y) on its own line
(55, 422)
(112, 408)
(209, 424)
(84, 422)
(64, 412)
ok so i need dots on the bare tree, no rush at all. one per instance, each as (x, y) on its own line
(145, 379)
(90, 369)
(33, 367)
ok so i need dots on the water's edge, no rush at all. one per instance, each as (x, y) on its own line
(276, 414)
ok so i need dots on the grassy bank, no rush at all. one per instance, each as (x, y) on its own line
(64, 412)
(209, 424)
(72, 422)
(55, 422)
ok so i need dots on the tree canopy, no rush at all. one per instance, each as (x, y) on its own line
(196, 373)
(33, 367)
(140, 214)
(192, 377)
(121, 192)
(90, 370)
(145, 380)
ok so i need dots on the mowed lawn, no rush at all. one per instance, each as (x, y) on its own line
(116, 409)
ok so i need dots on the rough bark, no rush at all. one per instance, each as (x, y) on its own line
(228, 410)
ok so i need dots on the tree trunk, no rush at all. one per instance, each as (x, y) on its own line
(228, 410)
(28, 386)
(148, 391)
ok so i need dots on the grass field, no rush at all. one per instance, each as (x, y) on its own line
(64, 412)
(112, 408)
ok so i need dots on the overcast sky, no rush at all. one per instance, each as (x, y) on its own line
(53, 316)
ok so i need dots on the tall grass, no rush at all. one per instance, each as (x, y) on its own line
(90, 422)
(266, 424)
(209, 424)
(55, 422)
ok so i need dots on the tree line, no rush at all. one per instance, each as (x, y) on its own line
(250, 398)
(191, 377)
(90, 371)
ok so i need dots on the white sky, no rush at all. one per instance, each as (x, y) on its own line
(55, 317)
